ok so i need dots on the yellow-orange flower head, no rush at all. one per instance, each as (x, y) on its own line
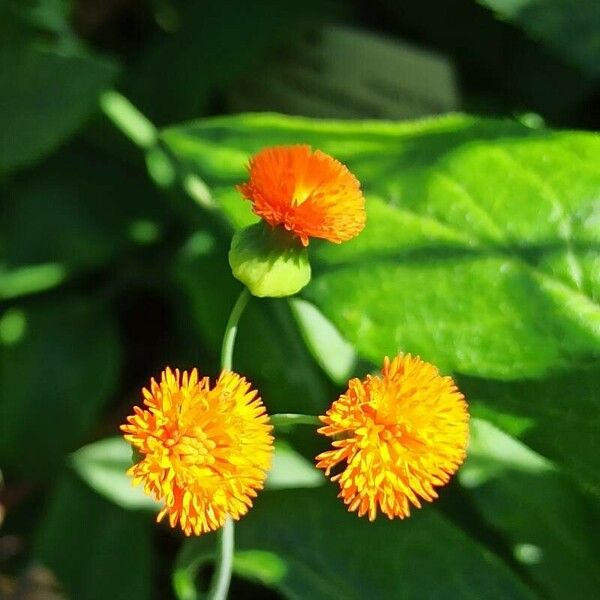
(398, 436)
(204, 451)
(309, 193)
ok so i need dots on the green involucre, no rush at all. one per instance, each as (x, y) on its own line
(270, 262)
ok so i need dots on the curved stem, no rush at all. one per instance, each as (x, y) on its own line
(286, 421)
(231, 330)
(219, 585)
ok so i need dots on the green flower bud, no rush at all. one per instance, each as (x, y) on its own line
(271, 262)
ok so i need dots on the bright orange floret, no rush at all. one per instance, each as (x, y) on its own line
(204, 451)
(309, 193)
(397, 437)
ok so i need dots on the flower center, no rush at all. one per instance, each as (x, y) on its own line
(195, 449)
(301, 194)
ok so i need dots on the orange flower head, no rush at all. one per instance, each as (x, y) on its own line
(204, 450)
(309, 193)
(397, 436)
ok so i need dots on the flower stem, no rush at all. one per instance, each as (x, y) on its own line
(219, 586)
(286, 421)
(231, 330)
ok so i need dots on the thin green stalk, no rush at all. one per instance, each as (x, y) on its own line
(219, 585)
(286, 421)
(231, 330)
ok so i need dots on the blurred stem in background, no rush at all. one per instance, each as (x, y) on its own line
(129, 120)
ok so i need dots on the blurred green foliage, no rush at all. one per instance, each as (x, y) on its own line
(482, 254)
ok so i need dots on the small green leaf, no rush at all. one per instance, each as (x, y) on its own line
(103, 466)
(30, 279)
(13, 326)
(336, 356)
(128, 119)
(266, 567)
(291, 470)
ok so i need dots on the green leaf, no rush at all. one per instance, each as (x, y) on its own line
(291, 470)
(481, 250)
(103, 466)
(47, 96)
(568, 27)
(30, 280)
(335, 355)
(304, 544)
(481, 253)
(548, 524)
(558, 417)
(76, 211)
(58, 367)
(96, 549)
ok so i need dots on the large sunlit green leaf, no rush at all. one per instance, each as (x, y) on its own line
(305, 544)
(481, 254)
(481, 250)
